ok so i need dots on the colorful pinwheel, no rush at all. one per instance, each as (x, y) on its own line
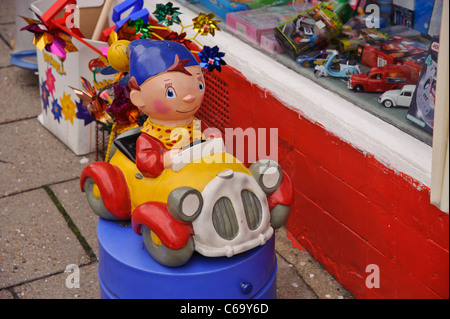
(180, 38)
(167, 14)
(211, 58)
(95, 104)
(121, 109)
(142, 29)
(205, 24)
(53, 40)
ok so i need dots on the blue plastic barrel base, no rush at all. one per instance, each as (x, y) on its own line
(127, 271)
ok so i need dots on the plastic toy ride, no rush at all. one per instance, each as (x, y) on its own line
(345, 70)
(395, 98)
(182, 191)
(212, 204)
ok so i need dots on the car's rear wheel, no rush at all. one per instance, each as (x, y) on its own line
(163, 254)
(95, 200)
(279, 216)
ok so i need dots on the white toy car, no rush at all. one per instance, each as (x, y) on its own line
(401, 97)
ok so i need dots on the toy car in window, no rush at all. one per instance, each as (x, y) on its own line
(311, 59)
(394, 98)
(209, 202)
(381, 79)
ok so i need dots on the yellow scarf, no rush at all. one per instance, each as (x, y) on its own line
(174, 137)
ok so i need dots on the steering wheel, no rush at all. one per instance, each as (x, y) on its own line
(193, 143)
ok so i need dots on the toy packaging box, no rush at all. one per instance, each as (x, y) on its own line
(415, 63)
(63, 113)
(395, 50)
(421, 111)
(422, 15)
(222, 7)
(314, 26)
(254, 23)
(270, 44)
(351, 39)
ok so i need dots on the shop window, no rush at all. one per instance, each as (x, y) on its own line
(408, 25)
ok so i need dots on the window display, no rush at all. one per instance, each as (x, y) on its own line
(368, 46)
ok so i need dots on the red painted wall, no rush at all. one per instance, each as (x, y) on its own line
(350, 210)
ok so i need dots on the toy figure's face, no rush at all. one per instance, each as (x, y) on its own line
(171, 96)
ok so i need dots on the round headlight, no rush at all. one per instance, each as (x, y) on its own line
(268, 174)
(185, 203)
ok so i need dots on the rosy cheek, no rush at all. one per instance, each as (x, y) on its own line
(161, 107)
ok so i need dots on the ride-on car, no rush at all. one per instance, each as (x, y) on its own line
(209, 202)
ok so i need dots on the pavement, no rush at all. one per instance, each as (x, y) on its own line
(46, 225)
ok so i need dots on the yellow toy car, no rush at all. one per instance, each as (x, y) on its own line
(209, 202)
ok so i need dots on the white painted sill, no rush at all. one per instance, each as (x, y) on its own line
(391, 146)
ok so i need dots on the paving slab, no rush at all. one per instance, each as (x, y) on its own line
(6, 294)
(30, 156)
(35, 240)
(75, 204)
(289, 284)
(19, 94)
(322, 283)
(7, 12)
(8, 32)
(54, 287)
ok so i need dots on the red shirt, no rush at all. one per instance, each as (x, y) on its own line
(150, 156)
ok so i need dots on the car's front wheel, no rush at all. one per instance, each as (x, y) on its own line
(163, 254)
(388, 103)
(95, 199)
(358, 88)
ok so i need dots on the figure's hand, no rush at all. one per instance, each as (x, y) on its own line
(168, 157)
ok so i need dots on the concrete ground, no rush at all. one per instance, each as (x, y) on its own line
(46, 224)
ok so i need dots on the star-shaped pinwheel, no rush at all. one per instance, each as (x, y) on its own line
(53, 40)
(211, 58)
(167, 14)
(205, 24)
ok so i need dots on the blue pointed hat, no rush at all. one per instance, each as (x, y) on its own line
(151, 57)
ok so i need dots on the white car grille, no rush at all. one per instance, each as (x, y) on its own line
(235, 216)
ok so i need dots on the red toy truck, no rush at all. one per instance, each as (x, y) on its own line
(381, 79)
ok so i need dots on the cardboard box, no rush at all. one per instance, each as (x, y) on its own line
(421, 111)
(313, 27)
(422, 15)
(254, 23)
(222, 7)
(63, 113)
(390, 52)
(270, 44)
(398, 50)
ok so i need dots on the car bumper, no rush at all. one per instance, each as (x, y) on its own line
(231, 250)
